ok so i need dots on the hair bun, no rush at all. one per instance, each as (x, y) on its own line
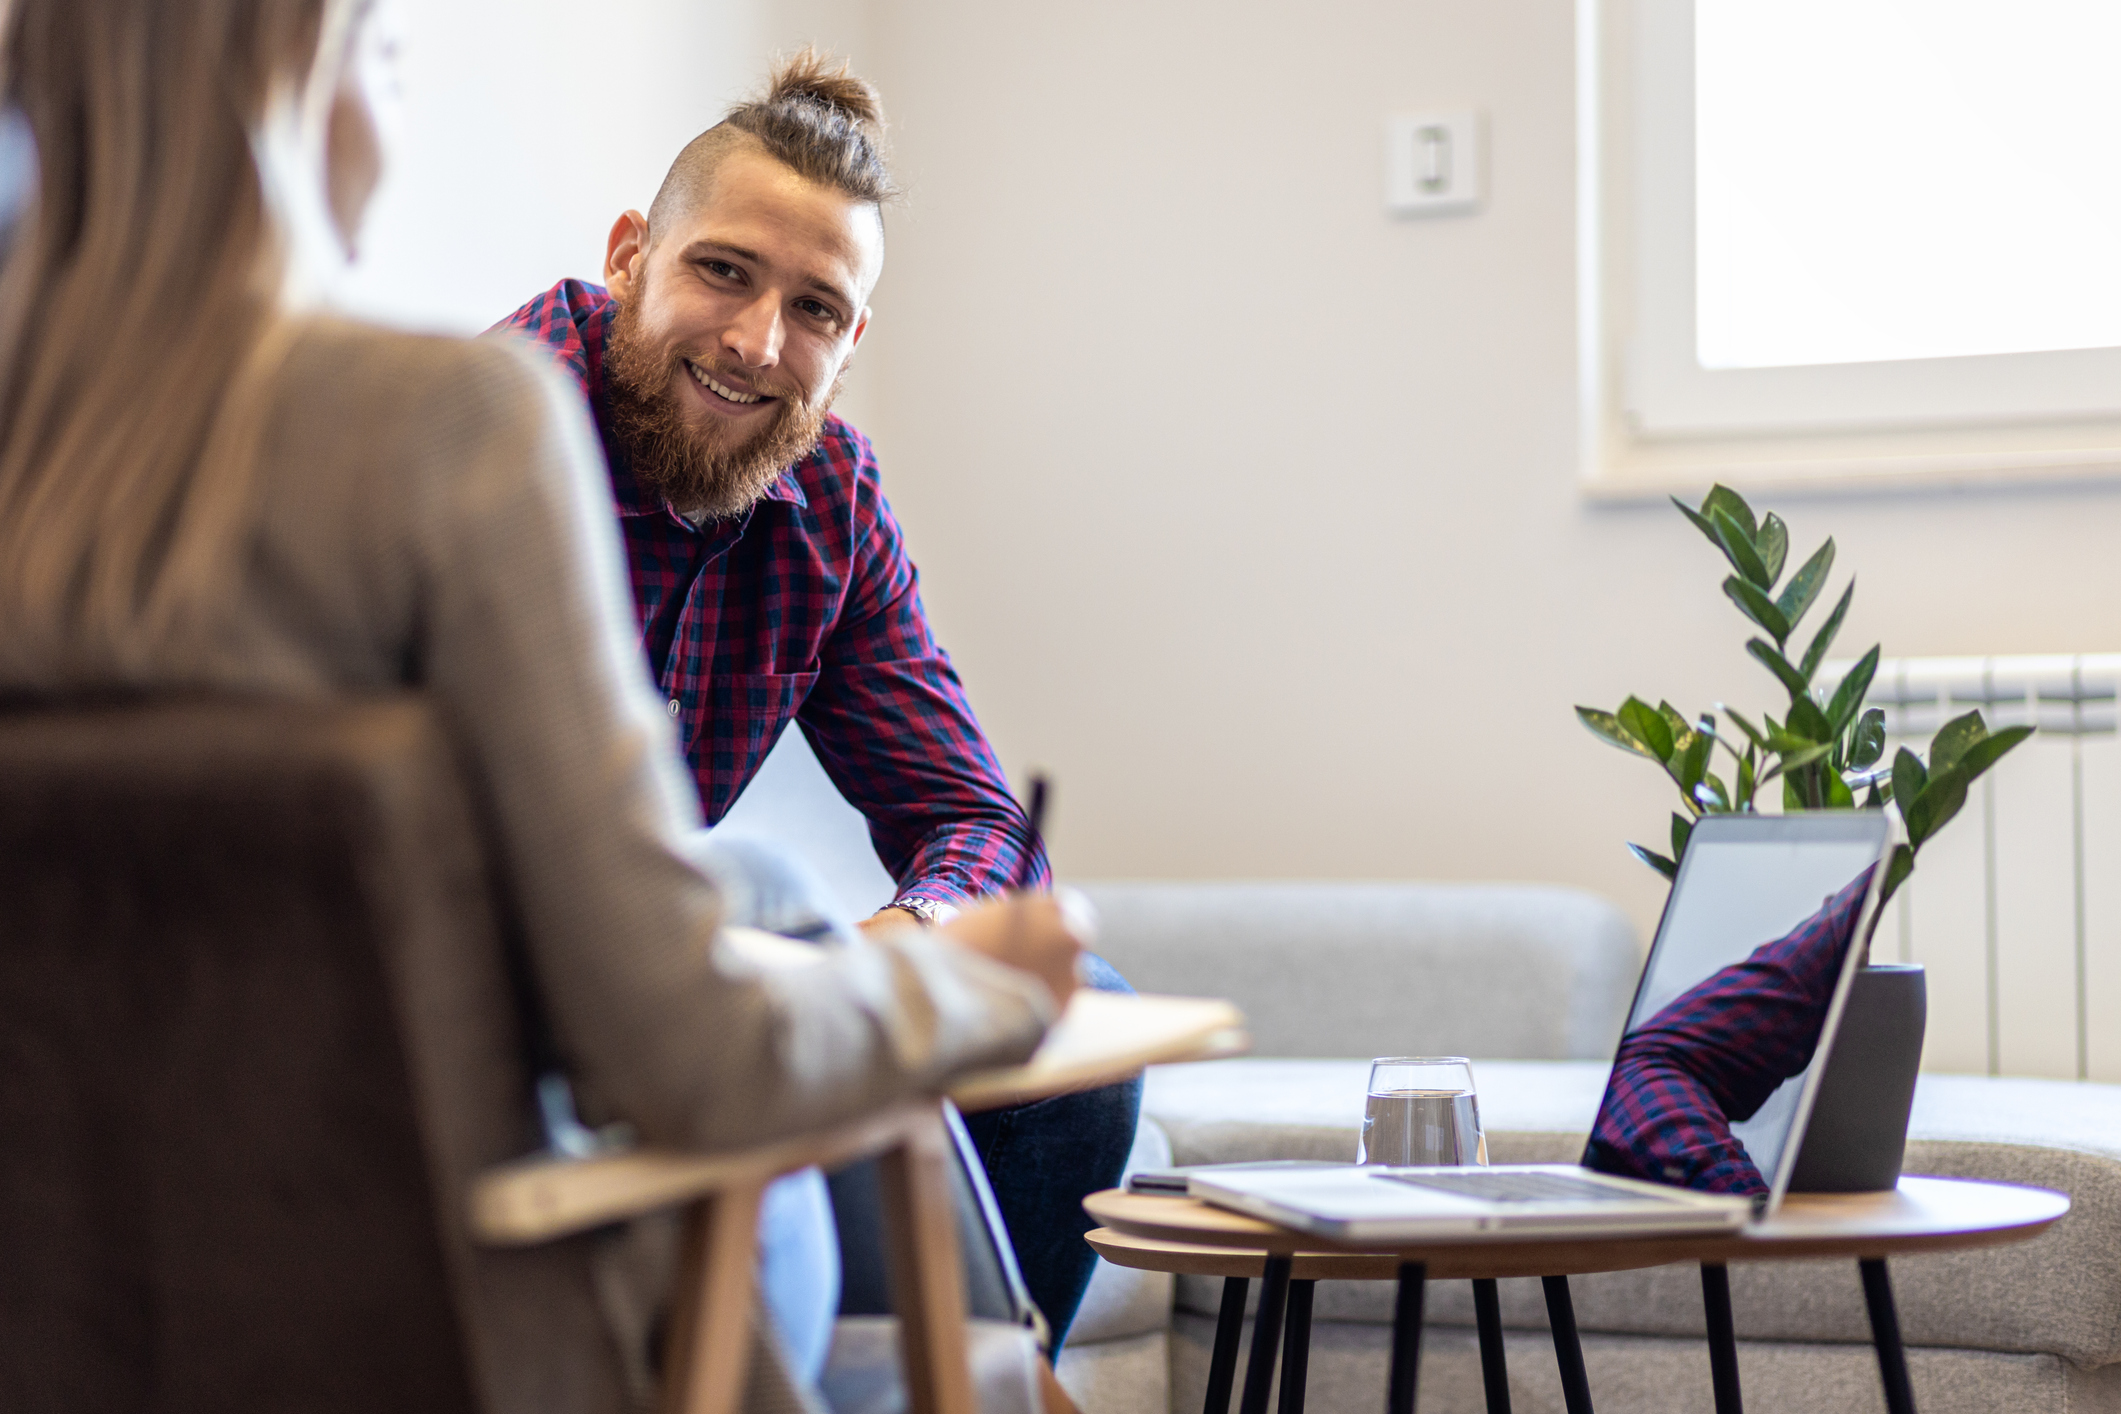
(809, 77)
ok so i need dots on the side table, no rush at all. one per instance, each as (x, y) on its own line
(1921, 1215)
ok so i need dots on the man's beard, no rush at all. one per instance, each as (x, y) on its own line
(703, 472)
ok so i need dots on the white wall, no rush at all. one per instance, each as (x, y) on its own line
(529, 126)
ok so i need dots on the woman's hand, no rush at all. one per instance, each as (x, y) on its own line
(1024, 930)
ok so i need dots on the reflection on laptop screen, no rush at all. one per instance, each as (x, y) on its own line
(1753, 944)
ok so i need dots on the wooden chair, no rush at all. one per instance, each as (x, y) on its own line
(259, 1059)
(704, 1363)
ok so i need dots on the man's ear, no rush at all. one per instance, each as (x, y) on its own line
(861, 327)
(624, 250)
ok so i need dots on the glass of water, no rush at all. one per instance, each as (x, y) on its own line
(1421, 1110)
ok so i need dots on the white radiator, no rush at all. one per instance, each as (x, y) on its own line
(2015, 907)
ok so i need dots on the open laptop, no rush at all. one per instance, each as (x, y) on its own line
(1746, 884)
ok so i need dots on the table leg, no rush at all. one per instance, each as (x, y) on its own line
(1494, 1366)
(1723, 1337)
(1296, 1348)
(1229, 1329)
(1568, 1350)
(1266, 1332)
(1885, 1334)
(1406, 1337)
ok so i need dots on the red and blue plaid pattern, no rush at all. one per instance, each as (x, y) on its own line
(1715, 1054)
(805, 607)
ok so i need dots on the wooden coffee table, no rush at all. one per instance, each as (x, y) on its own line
(1188, 1237)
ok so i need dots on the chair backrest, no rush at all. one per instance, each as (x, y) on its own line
(245, 948)
(1332, 969)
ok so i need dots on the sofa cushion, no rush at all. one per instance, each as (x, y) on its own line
(862, 1373)
(2059, 1294)
(1330, 969)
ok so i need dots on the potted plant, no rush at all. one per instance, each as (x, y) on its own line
(1826, 751)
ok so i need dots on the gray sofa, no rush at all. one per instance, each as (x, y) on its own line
(1533, 981)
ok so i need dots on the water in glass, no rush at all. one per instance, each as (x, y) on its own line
(1421, 1110)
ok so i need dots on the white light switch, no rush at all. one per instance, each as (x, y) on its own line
(1432, 163)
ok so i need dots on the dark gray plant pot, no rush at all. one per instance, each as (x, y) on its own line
(1858, 1131)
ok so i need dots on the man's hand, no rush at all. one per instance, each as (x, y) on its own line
(1026, 931)
(884, 920)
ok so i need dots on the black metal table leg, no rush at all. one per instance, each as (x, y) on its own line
(1406, 1337)
(1494, 1365)
(1568, 1350)
(1266, 1328)
(1885, 1334)
(1229, 1329)
(1296, 1348)
(1723, 1337)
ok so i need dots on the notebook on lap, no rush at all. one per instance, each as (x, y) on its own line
(1733, 1018)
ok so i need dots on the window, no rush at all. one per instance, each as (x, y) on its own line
(1852, 237)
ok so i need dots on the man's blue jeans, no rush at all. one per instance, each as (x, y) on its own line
(1043, 1159)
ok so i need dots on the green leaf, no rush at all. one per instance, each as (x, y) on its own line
(1849, 696)
(1694, 760)
(1791, 800)
(1701, 522)
(1816, 654)
(1908, 778)
(1643, 722)
(1797, 684)
(1867, 742)
(1656, 861)
(1759, 608)
(1838, 794)
(1676, 720)
(1712, 795)
(1988, 751)
(1606, 727)
(1897, 868)
(1953, 738)
(1751, 734)
(1747, 786)
(1773, 543)
(1796, 598)
(1682, 831)
(1796, 761)
(1739, 546)
(1723, 498)
(1934, 808)
(1808, 722)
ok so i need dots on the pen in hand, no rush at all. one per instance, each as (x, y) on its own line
(1027, 863)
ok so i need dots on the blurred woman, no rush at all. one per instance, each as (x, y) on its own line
(206, 482)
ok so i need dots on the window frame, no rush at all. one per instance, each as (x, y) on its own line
(1654, 420)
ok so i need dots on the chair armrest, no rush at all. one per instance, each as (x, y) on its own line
(543, 1197)
(1101, 1038)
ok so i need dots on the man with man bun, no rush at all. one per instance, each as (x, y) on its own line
(770, 577)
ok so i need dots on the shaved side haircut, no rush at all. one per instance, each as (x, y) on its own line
(818, 120)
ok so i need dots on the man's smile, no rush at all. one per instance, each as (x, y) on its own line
(718, 391)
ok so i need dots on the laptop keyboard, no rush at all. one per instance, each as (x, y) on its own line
(1525, 1188)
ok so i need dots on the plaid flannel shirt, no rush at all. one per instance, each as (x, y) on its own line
(1716, 1053)
(805, 607)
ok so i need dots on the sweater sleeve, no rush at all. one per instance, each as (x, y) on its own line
(527, 643)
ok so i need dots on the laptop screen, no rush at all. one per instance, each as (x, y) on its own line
(1713, 1074)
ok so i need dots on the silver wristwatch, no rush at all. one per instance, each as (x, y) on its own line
(933, 912)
